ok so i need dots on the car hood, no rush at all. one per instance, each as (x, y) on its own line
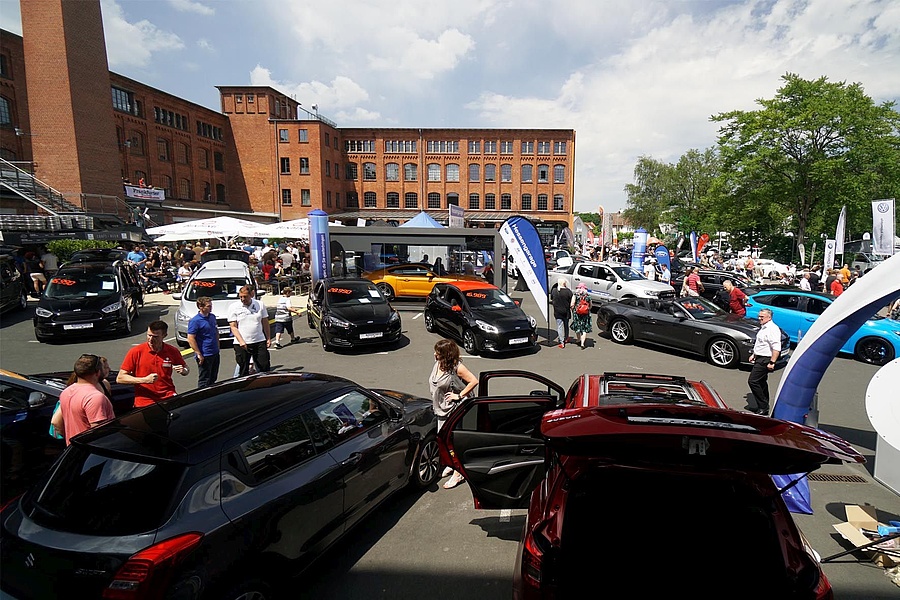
(219, 307)
(504, 319)
(649, 285)
(734, 321)
(693, 437)
(83, 303)
(360, 312)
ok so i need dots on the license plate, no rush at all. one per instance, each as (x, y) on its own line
(223, 330)
(369, 336)
(518, 340)
(79, 326)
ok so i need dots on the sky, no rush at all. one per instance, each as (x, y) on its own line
(632, 78)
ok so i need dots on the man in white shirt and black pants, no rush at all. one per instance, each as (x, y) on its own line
(766, 350)
(249, 323)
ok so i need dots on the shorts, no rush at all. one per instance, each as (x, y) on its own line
(282, 326)
(39, 277)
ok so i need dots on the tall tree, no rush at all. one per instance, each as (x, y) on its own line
(815, 146)
(648, 195)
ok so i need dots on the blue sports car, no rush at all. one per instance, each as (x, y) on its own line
(877, 342)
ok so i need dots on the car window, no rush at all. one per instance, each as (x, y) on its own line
(345, 415)
(70, 285)
(411, 270)
(13, 397)
(278, 449)
(628, 274)
(503, 417)
(815, 306)
(489, 299)
(453, 297)
(104, 496)
(700, 308)
(586, 270)
(350, 293)
(606, 274)
(217, 289)
(789, 301)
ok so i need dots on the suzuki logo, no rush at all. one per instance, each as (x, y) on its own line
(29, 560)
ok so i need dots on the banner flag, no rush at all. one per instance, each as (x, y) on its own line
(704, 239)
(319, 245)
(524, 244)
(662, 256)
(883, 226)
(694, 246)
(829, 255)
(639, 249)
(840, 231)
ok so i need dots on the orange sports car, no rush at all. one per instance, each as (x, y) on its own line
(411, 280)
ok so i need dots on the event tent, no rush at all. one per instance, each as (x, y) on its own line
(423, 219)
(225, 228)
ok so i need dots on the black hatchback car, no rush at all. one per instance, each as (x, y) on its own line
(351, 312)
(89, 298)
(13, 290)
(217, 493)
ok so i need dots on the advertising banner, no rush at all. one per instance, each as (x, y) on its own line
(456, 217)
(883, 226)
(639, 249)
(704, 239)
(694, 252)
(145, 193)
(840, 231)
(662, 256)
(524, 244)
(829, 254)
(319, 245)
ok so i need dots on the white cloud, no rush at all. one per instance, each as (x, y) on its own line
(341, 93)
(424, 59)
(192, 7)
(206, 45)
(133, 44)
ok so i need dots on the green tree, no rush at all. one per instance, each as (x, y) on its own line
(594, 218)
(814, 147)
(648, 195)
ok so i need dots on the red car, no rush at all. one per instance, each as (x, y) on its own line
(645, 485)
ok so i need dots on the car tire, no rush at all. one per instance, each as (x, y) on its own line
(182, 344)
(386, 290)
(429, 322)
(470, 342)
(128, 328)
(137, 312)
(620, 331)
(722, 352)
(427, 465)
(252, 589)
(309, 320)
(874, 351)
(325, 345)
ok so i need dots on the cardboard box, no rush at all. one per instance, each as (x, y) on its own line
(866, 517)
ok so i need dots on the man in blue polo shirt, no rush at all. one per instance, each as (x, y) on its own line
(203, 337)
(138, 257)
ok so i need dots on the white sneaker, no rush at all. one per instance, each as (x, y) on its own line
(447, 472)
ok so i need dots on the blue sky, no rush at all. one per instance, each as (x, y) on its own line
(632, 78)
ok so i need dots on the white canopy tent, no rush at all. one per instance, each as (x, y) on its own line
(224, 228)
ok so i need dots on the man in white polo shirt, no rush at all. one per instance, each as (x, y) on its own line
(249, 323)
(766, 350)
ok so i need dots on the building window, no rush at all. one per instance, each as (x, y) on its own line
(452, 172)
(239, 98)
(123, 101)
(393, 200)
(527, 147)
(220, 193)
(286, 197)
(304, 166)
(5, 113)
(453, 199)
(165, 182)
(442, 147)
(207, 192)
(219, 161)
(283, 136)
(327, 168)
(434, 200)
(474, 202)
(303, 135)
(184, 189)
(490, 147)
(359, 145)
(474, 147)
(392, 172)
(526, 201)
(162, 149)
(506, 173)
(559, 147)
(137, 143)
(369, 171)
(4, 67)
(250, 98)
(410, 172)
(558, 202)
(352, 200)
(506, 147)
(352, 170)
(202, 158)
(337, 199)
(505, 202)
(327, 140)
(336, 145)
(490, 172)
(543, 173)
(559, 173)
(474, 172)
(285, 165)
(369, 200)
(526, 173)
(543, 147)
(542, 202)
(400, 147)
(305, 198)
(434, 172)
(328, 198)
(184, 153)
(410, 200)
(490, 202)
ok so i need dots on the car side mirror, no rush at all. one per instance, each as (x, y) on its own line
(260, 293)
(36, 399)
(176, 296)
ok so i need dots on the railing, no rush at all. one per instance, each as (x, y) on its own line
(35, 190)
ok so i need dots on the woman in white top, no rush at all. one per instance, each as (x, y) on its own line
(450, 381)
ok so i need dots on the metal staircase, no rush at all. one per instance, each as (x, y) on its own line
(27, 186)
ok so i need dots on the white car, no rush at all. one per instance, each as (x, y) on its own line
(770, 269)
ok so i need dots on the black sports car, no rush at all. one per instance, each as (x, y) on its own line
(351, 312)
(693, 325)
(479, 315)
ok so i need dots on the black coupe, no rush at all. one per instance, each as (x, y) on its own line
(351, 312)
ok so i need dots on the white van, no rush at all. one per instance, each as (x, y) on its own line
(220, 280)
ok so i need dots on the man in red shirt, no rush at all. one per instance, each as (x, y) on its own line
(149, 367)
(737, 300)
(83, 405)
(837, 288)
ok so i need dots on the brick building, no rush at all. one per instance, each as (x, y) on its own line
(263, 154)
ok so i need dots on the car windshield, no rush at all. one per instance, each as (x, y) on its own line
(349, 293)
(216, 289)
(488, 299)
(97, 495)
(70, 285)
(628, 274)
(700, 308)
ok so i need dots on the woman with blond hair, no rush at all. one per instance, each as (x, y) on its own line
(449, 383)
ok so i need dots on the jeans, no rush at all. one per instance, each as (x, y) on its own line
(258, 351)
(562, 330)
(759, 381)
(208, 370)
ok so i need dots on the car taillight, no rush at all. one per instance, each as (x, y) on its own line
(146, 574)
(823, 588)
(531, 562)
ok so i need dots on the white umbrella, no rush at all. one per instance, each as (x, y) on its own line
(298, 228)
(217, 227)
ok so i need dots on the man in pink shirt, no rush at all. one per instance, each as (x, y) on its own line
(82, 405)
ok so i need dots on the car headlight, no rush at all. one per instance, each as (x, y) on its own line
(651, 293)
(486, 327)
(180, 317)
(395, 316)
(42, 312)
(332, 321)
(748, 342)
(114, 307)
(531, 321)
